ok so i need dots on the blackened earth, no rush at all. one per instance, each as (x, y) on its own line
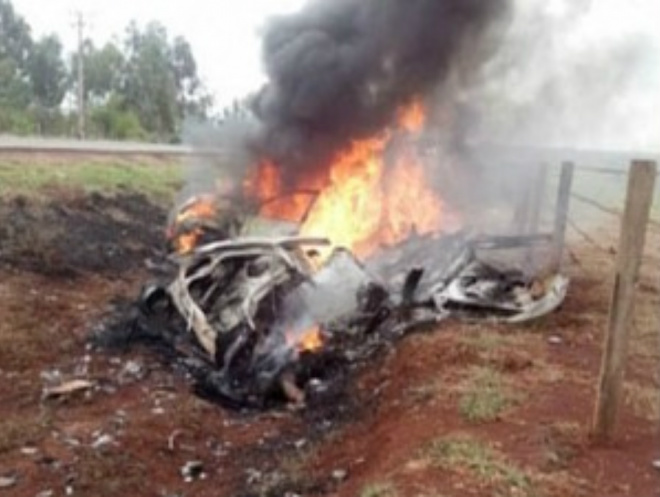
(98, 233)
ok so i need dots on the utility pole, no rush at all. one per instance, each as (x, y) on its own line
(80, 26)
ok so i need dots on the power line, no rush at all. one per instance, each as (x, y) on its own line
(603, 208)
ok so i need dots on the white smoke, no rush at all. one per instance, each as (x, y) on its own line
(572, 73)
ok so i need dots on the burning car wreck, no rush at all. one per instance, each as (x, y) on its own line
(333, 240)
(258, 321)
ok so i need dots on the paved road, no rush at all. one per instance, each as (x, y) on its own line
(55, 145)
(605, 161)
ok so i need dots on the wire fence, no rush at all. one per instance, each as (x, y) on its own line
(594, 225)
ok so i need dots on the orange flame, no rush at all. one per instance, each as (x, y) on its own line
(413, 117)
(349, 209)
(365, 201)
(310, 341)
(368, 205)
(195, 210)
(267, 186)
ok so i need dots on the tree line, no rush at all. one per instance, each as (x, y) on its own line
(140, 87)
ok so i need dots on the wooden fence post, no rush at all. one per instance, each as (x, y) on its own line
(527, 211)
(561, 210)
(538, 196)
(532, 215)
(641, 186)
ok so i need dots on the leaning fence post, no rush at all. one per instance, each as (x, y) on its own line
(561, 210)
(641, 186)
(527, 211)
(535, 205)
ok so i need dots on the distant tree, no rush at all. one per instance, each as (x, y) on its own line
(48, 80)
(48, 73)
(14, 85)
(192, 99)
(15, 37)
(15, 49)
(112, 120)
(142, 88)
(149, 83)
(103, 72)
(238, 110)
(160, 81)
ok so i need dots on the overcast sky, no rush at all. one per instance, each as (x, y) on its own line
(223, 33)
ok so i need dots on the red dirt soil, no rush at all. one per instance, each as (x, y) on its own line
(400, 406)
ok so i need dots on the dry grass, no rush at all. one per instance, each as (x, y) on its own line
(379, 490)
(159, 179)
(644, 400)
(486, 358)
(487, 341)
(487, 466)
(562, 445)
(289, 477)
(484, 395)
(501, 349)
(109, 474)
(20, 430)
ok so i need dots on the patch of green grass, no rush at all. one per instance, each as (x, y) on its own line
(487, 465)
(379, 490)
(484, 395)
(485, 341)
(158, 180)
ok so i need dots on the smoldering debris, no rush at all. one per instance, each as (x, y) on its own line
(66, 389)
(262, 322)
(255, 324)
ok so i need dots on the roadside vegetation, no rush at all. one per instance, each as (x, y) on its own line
(141, 85)
(379, 490)
(158, 179)
(487, 466)
(484, 395)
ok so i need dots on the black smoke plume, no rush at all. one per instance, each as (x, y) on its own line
(340, 69)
